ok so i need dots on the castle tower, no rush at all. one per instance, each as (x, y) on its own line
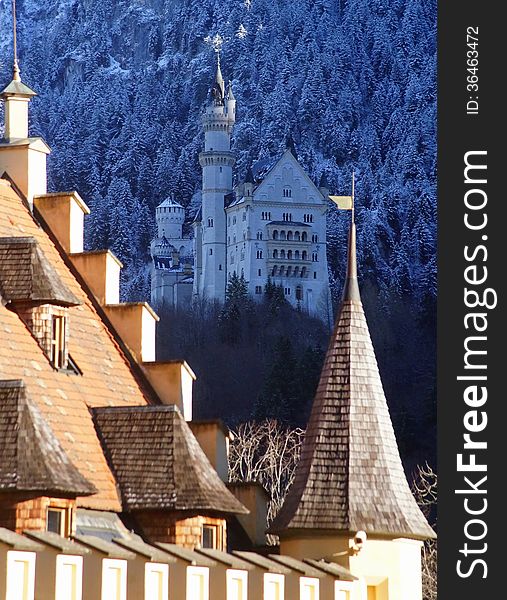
(350, 501)
(170, 216)
(22, 158)
(217, 162)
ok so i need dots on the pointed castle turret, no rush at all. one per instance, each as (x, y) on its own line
(350, 477)
(22, 159)
(217, 162)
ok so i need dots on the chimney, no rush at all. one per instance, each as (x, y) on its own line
(101, 272)
(64, 214)
(214, 437)
(173, 381)
(135, 322)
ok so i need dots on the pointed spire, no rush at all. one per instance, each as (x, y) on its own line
(249, 175)
(16, 74)
(350, 476)
(16, 87)
(324, 183)
(291, 145)
(219, 78)
(230, 93)
(351, 287)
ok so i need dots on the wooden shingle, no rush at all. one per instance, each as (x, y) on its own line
(158, 463)
(350, 476)
(32, 457)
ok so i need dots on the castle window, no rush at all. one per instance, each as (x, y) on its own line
(304, 255)
(259, 253)
(289, 271)
(296, 254)
(296, 271)
(282, 235)
(299, 293)
(289, 254)
(315, 274)
(275, 253)
(259, 235)
(258, 289)
(210, 251)
(304, 236)
(210, 222)
(275, 234)
(220, 169)
(303, 272)
(259, 272)
(58, 353)
(297, 236)
(234, 220)
(282, 253)
(219, 267)
(244, 216)
(274, 271)
(287, 192)
(287, 291)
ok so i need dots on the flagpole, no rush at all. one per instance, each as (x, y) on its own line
(353, 188)
(15, 41)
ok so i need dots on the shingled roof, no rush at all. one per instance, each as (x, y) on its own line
(158, 463)
(350, 476)
(32, 458)
(27, 276)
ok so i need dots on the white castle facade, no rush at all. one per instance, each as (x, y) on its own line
(271, 226)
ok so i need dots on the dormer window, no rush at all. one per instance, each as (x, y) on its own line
(32, 288)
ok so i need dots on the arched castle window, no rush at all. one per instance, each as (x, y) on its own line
(296, 254)
(282, 253)
(299, 293)
(259, 235)
(275, 234)
(304, 255)
(210, 251)
(304, 236)
(274, 271)
(289, 271)
(303, 272)
(296, 271)
(290, 236)
(287, 192)
(282, 271)
(297, 236)
(289, 254)
(282, 235)
(210, 222)
(259, 253)
(275, 253)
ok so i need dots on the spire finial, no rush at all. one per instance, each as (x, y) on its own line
(351, 288)
(16, 75)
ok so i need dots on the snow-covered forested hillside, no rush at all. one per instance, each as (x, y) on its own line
(122, 84)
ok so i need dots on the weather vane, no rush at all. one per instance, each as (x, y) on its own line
(216, 42)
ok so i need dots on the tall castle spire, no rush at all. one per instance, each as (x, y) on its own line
(217, 162)
(350, 476)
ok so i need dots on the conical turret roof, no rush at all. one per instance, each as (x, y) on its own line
(350, 476)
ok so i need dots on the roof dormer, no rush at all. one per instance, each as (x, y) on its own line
(30, 286)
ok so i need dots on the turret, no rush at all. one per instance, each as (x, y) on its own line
(231, 104)
(170, 216)
(249, 183)
(217, 162)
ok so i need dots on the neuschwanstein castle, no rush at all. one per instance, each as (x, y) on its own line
(273, 225)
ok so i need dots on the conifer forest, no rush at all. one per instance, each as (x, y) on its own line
(121, 88)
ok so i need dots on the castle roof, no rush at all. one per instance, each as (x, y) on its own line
(158, 463)
(350, 476)
(169, 202)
